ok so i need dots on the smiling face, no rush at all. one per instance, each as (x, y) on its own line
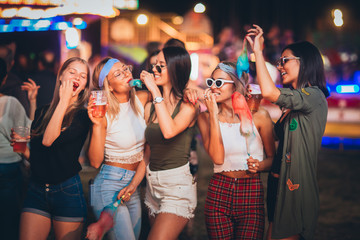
(290, 70)
(119, 77)
(77, 72)
(161, 78)
(226, 90)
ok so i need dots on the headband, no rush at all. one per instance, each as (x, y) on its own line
(105, 70)
(229, 70)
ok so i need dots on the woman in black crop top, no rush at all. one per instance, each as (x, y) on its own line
(171, 193)
(55, 196)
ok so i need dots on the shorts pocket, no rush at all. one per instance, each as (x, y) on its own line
(72, 190)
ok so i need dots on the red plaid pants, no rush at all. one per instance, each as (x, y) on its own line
(234, 208)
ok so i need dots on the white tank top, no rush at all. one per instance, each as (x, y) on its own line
(235, 147)
(125, 138)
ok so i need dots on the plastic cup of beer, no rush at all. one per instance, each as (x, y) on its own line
(21, 138)
(100, 100)
(255, 99)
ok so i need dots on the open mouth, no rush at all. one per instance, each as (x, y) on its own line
(75, 86)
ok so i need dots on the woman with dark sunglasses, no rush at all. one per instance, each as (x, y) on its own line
(293, 197)
(170, 191)
(234, 207)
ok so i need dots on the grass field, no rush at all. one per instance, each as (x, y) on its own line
(338, 175)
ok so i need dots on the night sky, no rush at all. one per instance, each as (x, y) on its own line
(299, 15)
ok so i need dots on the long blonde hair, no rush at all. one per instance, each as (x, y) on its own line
(113, 108)
(72, 108)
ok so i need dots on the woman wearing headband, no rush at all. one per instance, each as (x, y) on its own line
(55, 196)
(170, 191)
(293, 197)
(117, 145)
(234, 207)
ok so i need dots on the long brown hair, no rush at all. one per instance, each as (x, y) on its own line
(113, 108)
(72, 108)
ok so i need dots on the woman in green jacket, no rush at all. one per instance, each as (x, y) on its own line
(293, 197)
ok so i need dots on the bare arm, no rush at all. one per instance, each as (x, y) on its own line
(97, 138)
(210, 133)
(264, 124)
(32, 91)
(53, 129)
(131, 188)
(169, 127)
(268, 89)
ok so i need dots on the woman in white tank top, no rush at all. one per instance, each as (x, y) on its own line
(234, 207)
(117, 145)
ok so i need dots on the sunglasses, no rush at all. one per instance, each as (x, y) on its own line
(121, 74)
(284, 60)
(218, 82)
(158, 67)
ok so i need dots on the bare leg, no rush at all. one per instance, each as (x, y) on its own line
(34, 226)
(167, 226)
(68, 230)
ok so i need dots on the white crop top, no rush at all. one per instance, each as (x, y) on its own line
(125, 138)
(235, 148)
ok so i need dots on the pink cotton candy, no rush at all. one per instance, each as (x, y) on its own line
(96, 230)
(242, 110)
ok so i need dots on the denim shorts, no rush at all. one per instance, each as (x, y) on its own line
(63, 202)
(171, 191)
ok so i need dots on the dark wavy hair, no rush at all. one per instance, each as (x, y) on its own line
(178, 66)
(311, 71)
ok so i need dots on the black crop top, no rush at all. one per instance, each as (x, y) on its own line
(58, 162)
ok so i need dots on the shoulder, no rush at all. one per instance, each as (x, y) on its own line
(144, 97)
(187, 106)
(262, 117)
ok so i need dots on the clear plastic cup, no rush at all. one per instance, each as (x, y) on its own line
(100, 103)
(255, 99)
(21, 138)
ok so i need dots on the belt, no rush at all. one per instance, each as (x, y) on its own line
(240, 174)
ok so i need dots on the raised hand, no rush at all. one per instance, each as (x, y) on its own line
(191, 95)
(149, 80)
(66, 91)
(255, 38)
(90, 108)
(31, 88)
(210, 102)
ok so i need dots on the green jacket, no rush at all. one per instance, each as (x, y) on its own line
(297, 204)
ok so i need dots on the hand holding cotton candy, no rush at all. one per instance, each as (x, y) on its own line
(97, 230)
(135, 83)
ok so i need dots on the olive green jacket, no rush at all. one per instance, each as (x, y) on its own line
(297, 204)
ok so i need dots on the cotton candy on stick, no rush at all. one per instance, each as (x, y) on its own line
(135, 83)
(242, 110)
(97, 230)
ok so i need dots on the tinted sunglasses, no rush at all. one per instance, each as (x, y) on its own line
(158, 67)
(218, 82)
(283, 60)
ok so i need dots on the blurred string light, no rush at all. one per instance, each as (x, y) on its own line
(199, 8)
(72, 38)
(347, 88)
(194, 74)
(338, 20)
(142, 19)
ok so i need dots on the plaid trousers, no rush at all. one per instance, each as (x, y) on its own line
(234, 208)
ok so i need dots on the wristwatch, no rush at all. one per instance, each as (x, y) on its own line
(158, 100)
